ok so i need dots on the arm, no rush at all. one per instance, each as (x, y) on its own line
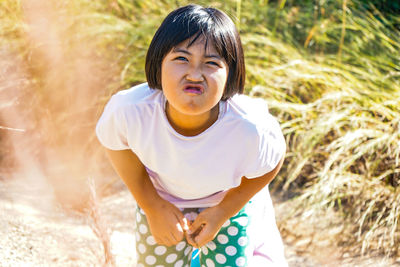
(210, 221)
(165, 220)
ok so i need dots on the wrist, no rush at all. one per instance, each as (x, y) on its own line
(222, 212)
(229, 207)
(155, 205)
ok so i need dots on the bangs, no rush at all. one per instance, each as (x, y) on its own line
(210, 38)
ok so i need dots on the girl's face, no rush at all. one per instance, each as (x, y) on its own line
(193, 78)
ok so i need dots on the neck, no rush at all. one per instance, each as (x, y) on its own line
(191, 125)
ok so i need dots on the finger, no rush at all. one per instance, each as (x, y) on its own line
(179, 227)
(193, 237)
(158, 240)
(178, 234)
(185, 224)
(182, 225)
(204, 236)
(197, 231)
(168, 241)
(190, 240)
(196, 225)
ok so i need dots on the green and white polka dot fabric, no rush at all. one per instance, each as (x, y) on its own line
(231, 246)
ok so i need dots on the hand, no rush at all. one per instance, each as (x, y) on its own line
(205, 227)
(167, 223)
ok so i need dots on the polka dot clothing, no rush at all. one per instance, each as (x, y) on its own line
(231, 246)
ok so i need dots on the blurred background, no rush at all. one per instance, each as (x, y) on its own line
(329, 70)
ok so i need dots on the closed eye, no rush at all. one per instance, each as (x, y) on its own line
(213, 63)
(181, 58)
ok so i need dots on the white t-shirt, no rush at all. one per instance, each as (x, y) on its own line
(195, 171)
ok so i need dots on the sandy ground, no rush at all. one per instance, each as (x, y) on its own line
(36, 232)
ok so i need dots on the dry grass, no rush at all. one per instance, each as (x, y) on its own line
(99, 225)
(341, 121)
(333, 83)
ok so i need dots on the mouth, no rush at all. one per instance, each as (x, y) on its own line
(193, 89)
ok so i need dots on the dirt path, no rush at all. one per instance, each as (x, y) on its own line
(35, 232)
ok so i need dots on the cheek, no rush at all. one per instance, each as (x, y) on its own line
(170, 72)
(220, 77)
(162, 74)
(165, 76)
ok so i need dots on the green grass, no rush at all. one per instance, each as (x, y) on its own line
(329, 71)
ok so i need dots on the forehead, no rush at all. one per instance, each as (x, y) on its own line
(200, 43)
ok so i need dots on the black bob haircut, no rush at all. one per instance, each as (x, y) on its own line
(194, 21)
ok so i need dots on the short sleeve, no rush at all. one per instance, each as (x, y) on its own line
(267, 149)
(111, 129)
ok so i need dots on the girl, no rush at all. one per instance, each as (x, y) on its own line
(197, 155)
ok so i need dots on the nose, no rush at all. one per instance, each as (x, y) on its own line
(195, 74)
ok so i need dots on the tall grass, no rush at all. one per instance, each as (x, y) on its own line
(339, 104)
(330, 72)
